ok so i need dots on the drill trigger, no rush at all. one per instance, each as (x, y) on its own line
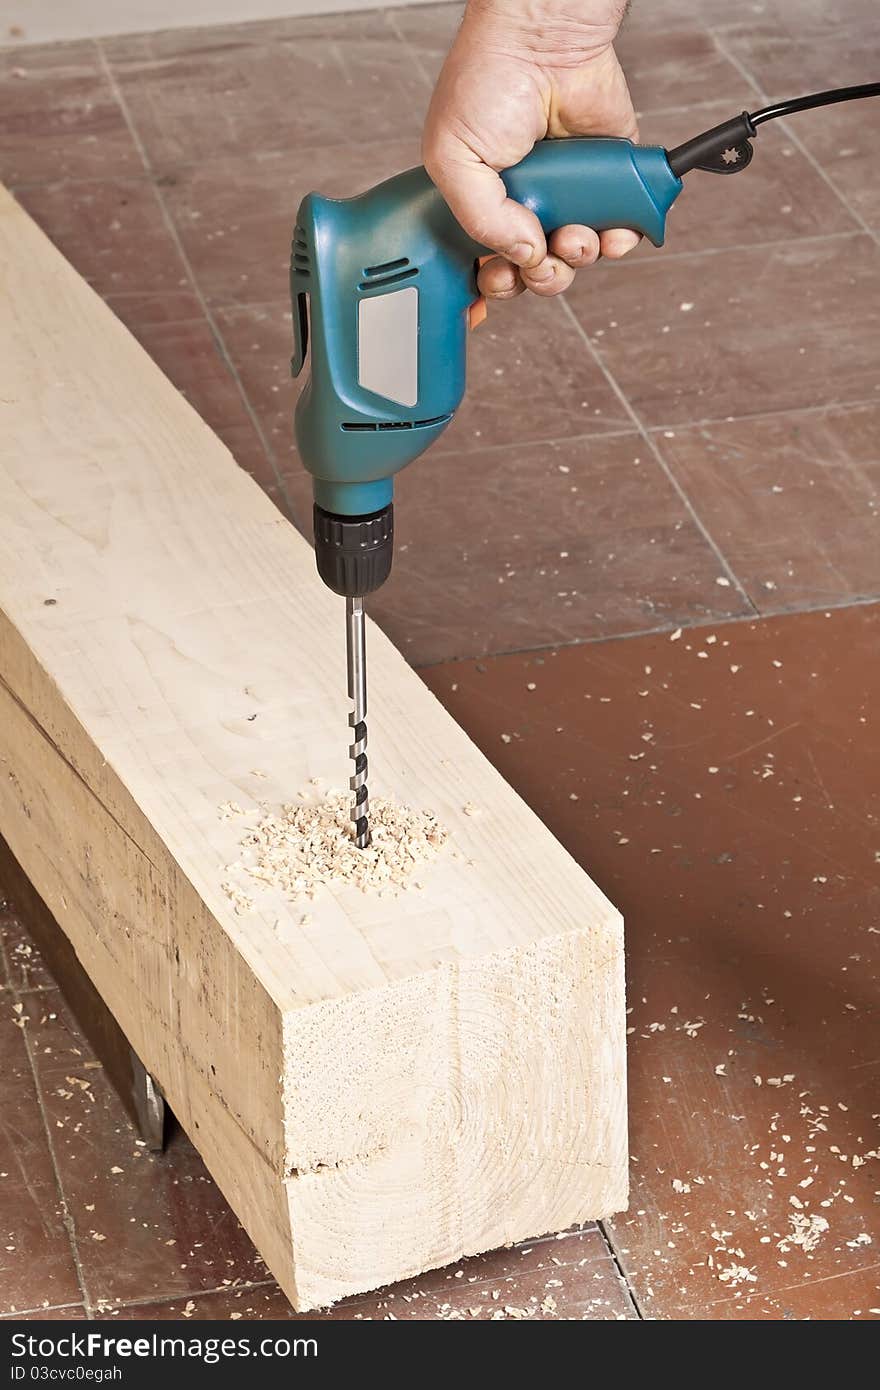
(478, 309)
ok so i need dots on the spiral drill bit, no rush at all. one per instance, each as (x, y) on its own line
(356, 653)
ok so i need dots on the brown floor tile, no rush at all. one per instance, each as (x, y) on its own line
(726, 799)
(36, 1261)
(196, 99)
(59, 117)
(738, 332)
(844, 140)
(259, 340)
(235, 216)
(112, 231)
(792, 500)
(189, 355)
(780, 197)
(428, 31)
(680, 65)
(806, 47)
(530, 377)
(218, 40)
(150, 309)
(68, 1312)
(569, 1277)
(146, 1225)
(543, 545)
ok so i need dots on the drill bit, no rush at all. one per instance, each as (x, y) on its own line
(356, 653)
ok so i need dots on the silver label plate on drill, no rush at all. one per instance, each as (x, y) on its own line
(388, 345)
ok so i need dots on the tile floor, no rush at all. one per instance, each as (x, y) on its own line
(689, 441)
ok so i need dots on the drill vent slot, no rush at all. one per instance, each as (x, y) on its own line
(388, 279)
(301, 259)
(397, 424)
(385, 267)
(388, 273)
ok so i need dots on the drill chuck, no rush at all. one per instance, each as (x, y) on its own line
(354, 553)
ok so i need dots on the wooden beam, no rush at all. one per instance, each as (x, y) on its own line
(392, 1083)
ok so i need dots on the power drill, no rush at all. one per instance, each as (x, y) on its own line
(384, 288)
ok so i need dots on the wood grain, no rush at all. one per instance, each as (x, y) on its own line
(378, 1085)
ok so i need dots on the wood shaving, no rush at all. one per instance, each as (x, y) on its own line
(735, 1275)
(242, 902)
(806, 1232)
(309, 844)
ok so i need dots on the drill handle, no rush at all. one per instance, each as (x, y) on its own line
(598, 183)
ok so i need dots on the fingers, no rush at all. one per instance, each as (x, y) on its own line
(498, 279)
(551, 277)
(571, 248)
(618, 243)
(577, 246)
(479, 202)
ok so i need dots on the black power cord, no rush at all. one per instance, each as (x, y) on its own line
(726, 148)
(831, 98)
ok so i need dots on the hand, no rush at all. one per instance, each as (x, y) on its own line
(520, 70)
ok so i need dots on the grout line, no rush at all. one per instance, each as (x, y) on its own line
(798, 143)
(29, 989)
(67, 1220)
(42, 1308)
(796, 139)
(25, 185)
(66, 1216)
(465, 450)
(415, 57)
(187, 265)
(605, 638)
(250, 1286)
(6, 981)
(112, 1306)
(702, 252)
(544, 442)
(621, 1272)
(667, 471)
(839, 407)
(778, 1290)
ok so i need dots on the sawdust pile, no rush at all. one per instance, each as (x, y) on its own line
(309, 845)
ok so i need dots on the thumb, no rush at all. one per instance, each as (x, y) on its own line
(478, 200)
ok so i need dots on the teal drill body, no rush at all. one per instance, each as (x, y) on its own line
(400, 244)
(382, 284)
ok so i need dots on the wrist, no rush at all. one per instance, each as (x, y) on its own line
(546, 28)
